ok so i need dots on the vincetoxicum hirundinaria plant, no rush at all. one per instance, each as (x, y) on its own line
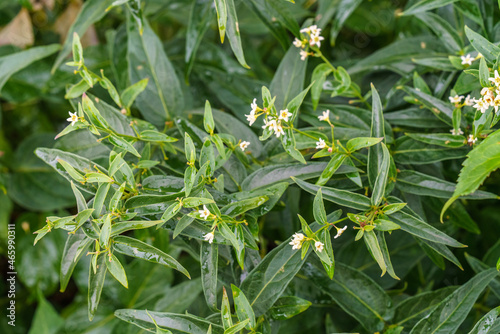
(213, 182)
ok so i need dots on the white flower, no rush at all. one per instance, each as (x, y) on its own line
(278, 130)
(457, 132)
(468, 101)
(319, 246)
(209, 237)
(284, 114)
(297, 240)
(251, 118)
(204, 213)
(340, 231)
(496, 103)
(467, 60)
(485, 91)
(306, 30)
(325, 116)
(314, 30)
(298, 43)
(254, 105)
(73, 118)
(303, 54)
(320, 144)
(269, 123)
(489, 99)
(471, 139)
(244, 145)
(480, 105)
(316, 40)
(496, 79)
(456, 99)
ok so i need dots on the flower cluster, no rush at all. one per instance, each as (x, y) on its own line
(271, 122)
(490, 97)
(310, 36)
(297, 240)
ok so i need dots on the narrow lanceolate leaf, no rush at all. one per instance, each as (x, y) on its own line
(362, 142)
(91, 12)
(381, 180)
(411, 310)
(489, 50)
(141, 250)
(318, 79)
(440, 109)
(221, 8)
(440, 139)
(96, 282)
(334, 164)
(238, 327)
(76, 245)
(425, 5)
(372, 243)
(179, 323)
(225, 310)
(242, 306)
(341, 197)
(449, 314)
(488, 324)
(421, 229)
(375, 154)
(233, 33)
(319, 208)
(386, 254)
(209, 256)
(15, 62)
(356, 293)
(287, 307)
(115, 268)
(130, 93)
(123, 144)
(480, 162)
(162, 98)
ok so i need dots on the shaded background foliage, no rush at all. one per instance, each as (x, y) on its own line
(382, 48)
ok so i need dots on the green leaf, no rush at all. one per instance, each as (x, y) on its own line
(440, 109)
(136, 248)
(237, 208)
(177, 322)
(440, 139)
(189, 179)
(425, 185)
(484, 73)
(425, 5)
(355, 144)
(220, 6)
(443, 30)
(162, 98)
(480, 162)
(98, 178)
(337, 196)
(373, 246)
(287, 307)
(288, 81)
(105, 232)
(129, 95)
(386, 254)
(318, 79)
(74, 248)
(356, 293)
(200, 18)
(344, 9)
(237, 328)
(269, 175)
(288, 142)
(294, 105)
(15, 62)
(121, 227)
(319, 208)
(479, 266)
(96, 282)
(488, 323)
(233, 33)
(207, 155)
(449, 314)
(115, 268)
(482, 45)
(421, 229)
(411, 310)
(91, 12)
(209, 257)
(225, 310)
(375, 153)
(46, 319)
(123, 144)
(99, 198)
(333, 165)
(409, 151)
(381, 180)
(171, 211)
(242, 306)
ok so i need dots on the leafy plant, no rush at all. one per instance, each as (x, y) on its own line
(295, 139)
